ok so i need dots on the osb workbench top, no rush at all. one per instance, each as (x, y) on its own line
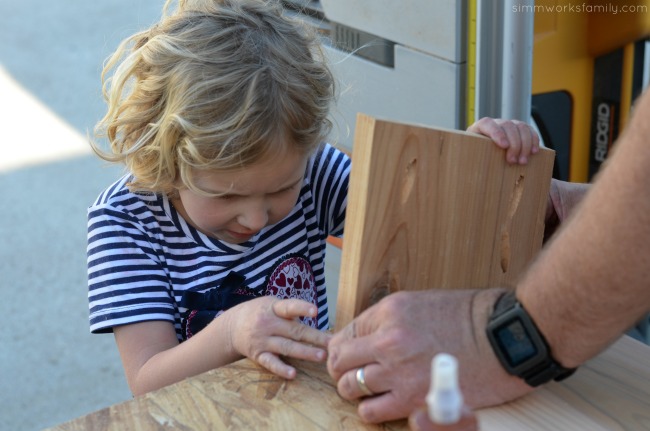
(611, 392)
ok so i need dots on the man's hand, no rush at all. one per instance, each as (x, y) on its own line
(395, 340)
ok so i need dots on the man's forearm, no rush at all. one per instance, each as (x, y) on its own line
(591, 283)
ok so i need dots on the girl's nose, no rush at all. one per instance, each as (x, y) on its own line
(254, 217)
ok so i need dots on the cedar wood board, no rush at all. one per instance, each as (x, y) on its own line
(436, 208)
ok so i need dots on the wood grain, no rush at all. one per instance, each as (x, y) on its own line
(433, 208)
(239, 396)
(610, 392)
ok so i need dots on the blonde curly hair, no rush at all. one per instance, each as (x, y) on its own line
(215, 85)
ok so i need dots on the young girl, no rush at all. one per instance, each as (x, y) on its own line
(212, 247)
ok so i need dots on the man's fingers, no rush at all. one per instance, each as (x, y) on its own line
(349, 355)
(385, 407)
(350, 388)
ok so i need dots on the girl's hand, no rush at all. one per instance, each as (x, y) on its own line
(516, 137)
(263, 329)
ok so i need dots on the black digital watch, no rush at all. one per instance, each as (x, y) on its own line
(520, 346)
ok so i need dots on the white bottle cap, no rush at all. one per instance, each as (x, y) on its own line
(444, 399)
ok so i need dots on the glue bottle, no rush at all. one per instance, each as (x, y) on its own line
(444, 410)
(444, 400)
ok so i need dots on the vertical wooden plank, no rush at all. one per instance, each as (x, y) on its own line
(434, 208)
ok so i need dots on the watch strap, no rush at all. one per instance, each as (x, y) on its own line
(547, 370)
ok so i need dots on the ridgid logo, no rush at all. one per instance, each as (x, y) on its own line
(604, 122)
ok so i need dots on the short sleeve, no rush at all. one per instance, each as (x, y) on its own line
(126, 281)
(330, 177)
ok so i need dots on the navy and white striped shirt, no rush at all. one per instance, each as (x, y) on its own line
(142, 255)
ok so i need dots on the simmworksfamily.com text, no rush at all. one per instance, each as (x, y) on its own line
(580, 8)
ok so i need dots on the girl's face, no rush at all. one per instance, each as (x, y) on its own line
(254, 197)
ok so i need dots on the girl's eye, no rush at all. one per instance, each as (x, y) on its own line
(226, 197)
(288, 189)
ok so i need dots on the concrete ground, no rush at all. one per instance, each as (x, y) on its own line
(51, 53)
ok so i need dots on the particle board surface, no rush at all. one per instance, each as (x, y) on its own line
(609, 392)
(435, 208)
(238, 396)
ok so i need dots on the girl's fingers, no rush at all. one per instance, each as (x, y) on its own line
(294, 349)
(516, 137)
(534, 137)
(529, 141)
(526, 142)
(523, 141)
(515, 144)
(289, 310)
(292, 308)
(274, 364)
(281, 334)
(278, 346)
(489, 127)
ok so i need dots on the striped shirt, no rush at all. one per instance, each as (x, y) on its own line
(142, 255)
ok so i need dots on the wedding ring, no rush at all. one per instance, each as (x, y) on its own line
(361, 382)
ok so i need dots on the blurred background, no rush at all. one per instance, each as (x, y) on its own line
(51, 54)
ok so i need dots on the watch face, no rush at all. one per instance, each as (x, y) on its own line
(516, 343)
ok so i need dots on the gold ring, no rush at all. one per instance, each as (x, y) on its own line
(361, 382)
